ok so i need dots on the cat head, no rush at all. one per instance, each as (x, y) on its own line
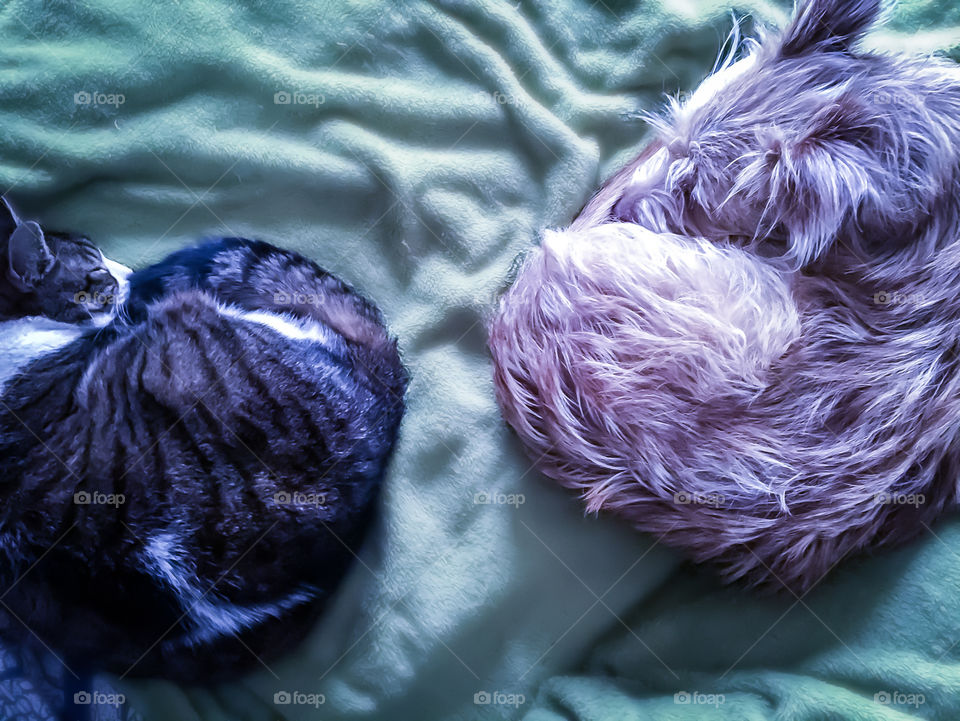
(806, 142)
(60, 276)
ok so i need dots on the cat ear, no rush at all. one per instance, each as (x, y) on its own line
(8, 218)
(829, 25)
(28, 255)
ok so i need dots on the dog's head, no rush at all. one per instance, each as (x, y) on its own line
(805, 143)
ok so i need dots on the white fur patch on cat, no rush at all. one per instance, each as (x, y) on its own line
(212, 616)
(27, 339)
(121, 274)
(288, 327)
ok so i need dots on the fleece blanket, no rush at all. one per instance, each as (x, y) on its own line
(416, 149)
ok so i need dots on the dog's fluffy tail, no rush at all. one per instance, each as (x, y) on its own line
(699, 391)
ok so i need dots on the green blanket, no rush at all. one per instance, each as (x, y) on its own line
(416, 149)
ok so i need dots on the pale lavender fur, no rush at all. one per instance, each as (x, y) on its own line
(747, 342)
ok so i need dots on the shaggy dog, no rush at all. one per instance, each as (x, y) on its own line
(747, 343)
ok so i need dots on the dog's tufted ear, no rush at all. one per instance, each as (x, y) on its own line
(818, 192)
(829, 25)
(817, 182)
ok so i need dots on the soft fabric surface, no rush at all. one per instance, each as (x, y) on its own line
(428, 145)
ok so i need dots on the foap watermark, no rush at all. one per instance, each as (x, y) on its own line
(704, 299)
(95, 97)
(284, 298)
(884, 297)
(898, 698)
(885, 96)
(496, 498)
(98, 299)
(96, 698)
(299, 698)
(685, 498)
(498, 98)
(695, 698)
(299, 498)
(900, 499)
(499, 698)
(297, 97)
(96, 498)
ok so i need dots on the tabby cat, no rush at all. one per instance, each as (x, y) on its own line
(189, 454)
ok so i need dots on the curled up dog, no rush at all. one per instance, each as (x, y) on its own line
(747, 342)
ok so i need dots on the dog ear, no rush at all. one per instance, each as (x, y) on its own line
(829, 25)
(820, 181)
(818, 195)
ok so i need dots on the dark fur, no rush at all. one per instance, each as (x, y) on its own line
(199, 419)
